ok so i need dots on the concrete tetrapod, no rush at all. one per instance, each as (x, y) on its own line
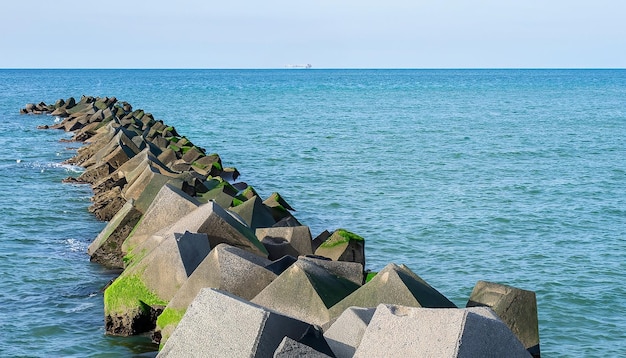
(219, 324)
(401, 331)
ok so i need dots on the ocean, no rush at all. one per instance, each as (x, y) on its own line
(510, 176)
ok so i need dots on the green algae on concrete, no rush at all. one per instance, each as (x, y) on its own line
(339, 237)
(127, 292)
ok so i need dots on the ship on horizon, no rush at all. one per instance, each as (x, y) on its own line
(308, 65)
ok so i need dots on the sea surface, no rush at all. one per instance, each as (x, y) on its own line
(511, 176)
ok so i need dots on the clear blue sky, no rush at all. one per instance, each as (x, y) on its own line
(325, 33)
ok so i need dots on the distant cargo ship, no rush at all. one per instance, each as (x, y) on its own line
(308, 65)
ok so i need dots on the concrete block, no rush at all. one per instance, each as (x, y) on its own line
(517, 308)
(305, 291)
(106, 249)
(152, 280)
(343, 245)
(219, 324)
(401, 331)
(254, 213)
(394, 285)
(168, 206)
(298, 237)
(352, 271)
(289, 348)
(345, 334)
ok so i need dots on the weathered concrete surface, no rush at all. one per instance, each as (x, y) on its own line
(352, 271)
(254, 213)
(517, 308)
(212, 327)
(169, 205)
(425, 332)
(345, 334)
(151, 281)
(298, 237)
(106, 249)
(305, 291)
(290, 348)
(343, 245)
(394, 285)
(226, 268)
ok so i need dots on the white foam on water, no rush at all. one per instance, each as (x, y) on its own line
(57, 119)
(76, 245)
(18, 160)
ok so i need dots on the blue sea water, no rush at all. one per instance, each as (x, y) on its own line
(511, 176)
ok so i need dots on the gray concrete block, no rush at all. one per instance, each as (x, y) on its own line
(219, 324)
(401, 331)
(394, 285)
(353, 271)
(167, 207)
(290, 348)
(345, 334)
(305, 291)
(226, 268)
(343, 245)
(517, 308)
(298, 237)
(254, 213)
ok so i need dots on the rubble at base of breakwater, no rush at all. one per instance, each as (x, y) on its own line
(212, 269)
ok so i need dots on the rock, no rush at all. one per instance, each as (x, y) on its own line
(343, 245)
(426, 332)
(305, 291)
(345, 334)
(219, 312)
(517, 308)
(394, 285)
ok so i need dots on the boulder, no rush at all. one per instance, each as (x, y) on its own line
(394, 285)
(213, 326)
(401, 331)
(305, 291)
(517, 308)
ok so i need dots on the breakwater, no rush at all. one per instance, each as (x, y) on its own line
(178, 221)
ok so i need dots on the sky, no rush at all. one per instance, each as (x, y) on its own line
(323, 33)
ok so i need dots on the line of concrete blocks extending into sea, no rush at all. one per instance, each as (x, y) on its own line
(211, 269)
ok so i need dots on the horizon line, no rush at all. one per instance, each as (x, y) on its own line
(312, 68)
